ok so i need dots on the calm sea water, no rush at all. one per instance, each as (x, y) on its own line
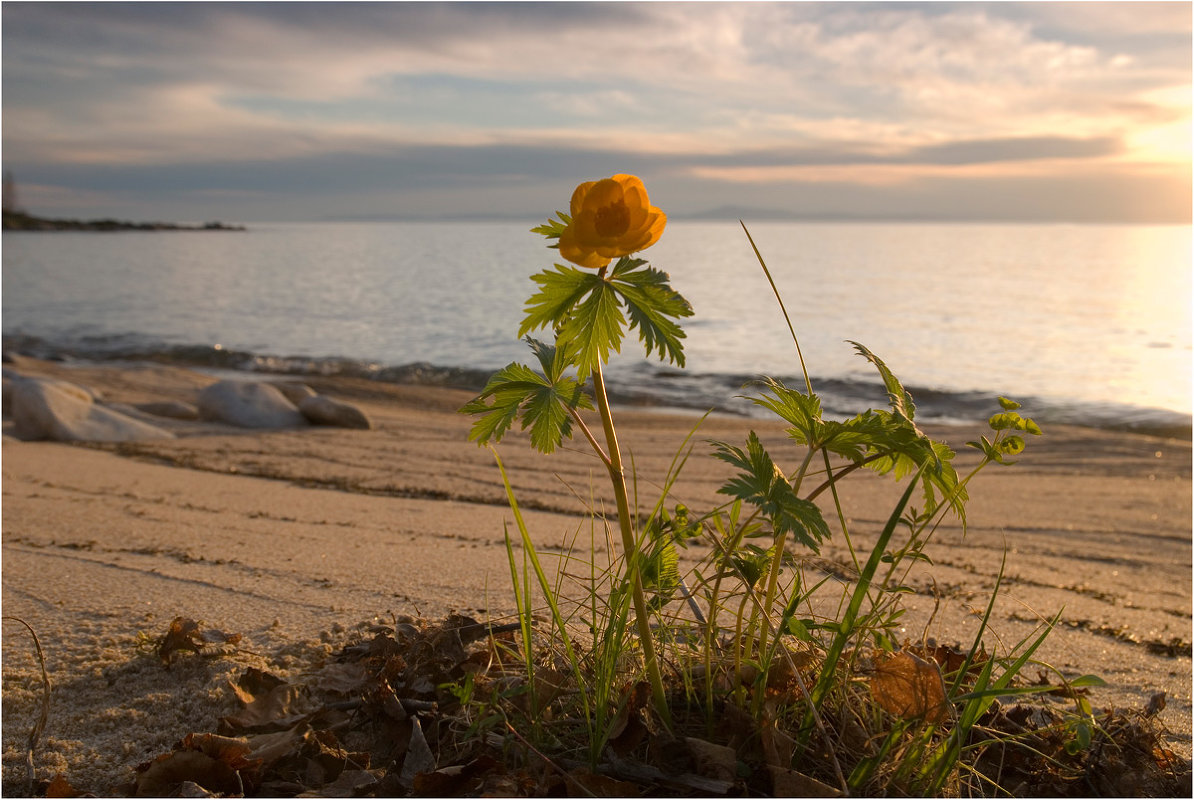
(1084, 324)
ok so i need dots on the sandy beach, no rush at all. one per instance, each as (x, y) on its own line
(294, 539)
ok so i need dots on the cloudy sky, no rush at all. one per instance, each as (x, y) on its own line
(255, 112)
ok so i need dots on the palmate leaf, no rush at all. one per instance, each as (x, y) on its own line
(585, 309)
(762, 484)
(559, 292)
(553, 227)
(901, 401)
(593, 330)
(650, 301)
(802, 411)
(542, 400)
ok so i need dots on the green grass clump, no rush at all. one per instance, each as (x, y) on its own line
(749, 671)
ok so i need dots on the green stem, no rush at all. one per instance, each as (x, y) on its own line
(625, 522)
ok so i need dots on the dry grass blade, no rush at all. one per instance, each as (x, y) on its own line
(44, 716)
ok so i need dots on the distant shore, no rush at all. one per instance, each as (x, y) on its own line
(20, 221)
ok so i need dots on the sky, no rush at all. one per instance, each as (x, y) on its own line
(242, 112)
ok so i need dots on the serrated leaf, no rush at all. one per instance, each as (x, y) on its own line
(649, 308)
(594, 329)
(553, 227)
(763, 484)
(559, 292)
(901, 401)
(542, 401)
(802, 411)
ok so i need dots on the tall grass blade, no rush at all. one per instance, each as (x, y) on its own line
(545, 585)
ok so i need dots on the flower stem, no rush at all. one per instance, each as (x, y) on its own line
(630, 548)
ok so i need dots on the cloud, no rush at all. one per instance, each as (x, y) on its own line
(269, 98)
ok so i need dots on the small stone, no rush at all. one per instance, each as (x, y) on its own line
(248, 404)
(322, 410)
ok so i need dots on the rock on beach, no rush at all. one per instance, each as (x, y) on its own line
(321, 410)
(44, 408)
(248, 404)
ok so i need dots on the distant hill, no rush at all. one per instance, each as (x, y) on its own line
(20, 221)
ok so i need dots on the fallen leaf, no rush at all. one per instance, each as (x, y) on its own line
(790, 783)
(713, 760)
(908, 687)
(270, 704)
(419, 758)
(59, 786)
(461, 780)
(583, 782)
(184, 634)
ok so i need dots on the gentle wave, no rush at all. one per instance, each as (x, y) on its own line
(644, 385)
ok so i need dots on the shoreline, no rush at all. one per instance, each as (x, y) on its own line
(293, 538)
(659, 389)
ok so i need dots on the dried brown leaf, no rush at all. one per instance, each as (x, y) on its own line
(586, 783)
(184, 634)
(909, 687)
(790, 783)
(59, 786)
(713, 760)
(460, 780)
(164, 775)
(419, 758)
(270, 704)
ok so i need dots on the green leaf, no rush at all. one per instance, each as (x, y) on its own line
(763, 484)
(559, 291)
(543, 401)
(1008, 405)
(802, 411)
(661, 572)
(901, 401)
(585, 309)
(594, 329)
(553, 227)
(650, 302)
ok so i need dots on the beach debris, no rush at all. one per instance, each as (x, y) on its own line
(909, 687)
(248, 404)
(201, 765)
(185, 634)
(59, 786)
(44, 714)
(323, 410)
(46, 408)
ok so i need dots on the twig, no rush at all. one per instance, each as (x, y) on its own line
(44, 717)
(548, 761)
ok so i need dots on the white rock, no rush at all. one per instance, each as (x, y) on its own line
(48, 409)
(248, 404)
(321, 410)
(295, 392)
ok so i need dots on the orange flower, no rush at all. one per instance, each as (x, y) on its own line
(611, 218)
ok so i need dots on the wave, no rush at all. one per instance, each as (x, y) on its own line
(642, 385)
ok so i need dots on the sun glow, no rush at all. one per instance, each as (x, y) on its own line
(1165, 143)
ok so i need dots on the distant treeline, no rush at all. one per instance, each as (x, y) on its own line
(20, 221)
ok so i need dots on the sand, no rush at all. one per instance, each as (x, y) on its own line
(296, 539)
